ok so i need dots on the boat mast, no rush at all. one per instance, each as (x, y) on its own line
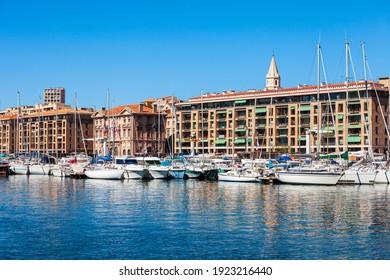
(17, 128)
(346, 94)
(366, 123)
(318, 97)
(201, 123)
(75, 125)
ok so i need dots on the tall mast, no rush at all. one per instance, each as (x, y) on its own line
(75, 125)
(346, 92)
(318, 97)
(201, 122)
(17, 128)
(366, 122)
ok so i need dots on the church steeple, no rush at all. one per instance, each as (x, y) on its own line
(273, 78)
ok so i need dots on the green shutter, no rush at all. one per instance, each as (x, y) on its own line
(239, 141)
(354, 126)
(340, 116)
(304, 108)
(261, 110)
(354, 139)
(329, 128)
(220, 141)
(239, 101)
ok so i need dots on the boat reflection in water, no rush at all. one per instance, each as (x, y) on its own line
(190, 219)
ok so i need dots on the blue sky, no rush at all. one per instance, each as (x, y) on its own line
(143, 49)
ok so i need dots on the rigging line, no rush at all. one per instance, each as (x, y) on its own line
(366, 128)
(330, 101)
(377, 96)
(81, 129)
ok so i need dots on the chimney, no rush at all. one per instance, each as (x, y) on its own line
(141, 107)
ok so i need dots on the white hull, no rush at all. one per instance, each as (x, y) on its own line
(358, 177)
(134, 172)
(39, 169)
(237, 177)
(308, 178)
(382, 177)
(108, 174)
(19, 169)
(159, 172)
(59, 173)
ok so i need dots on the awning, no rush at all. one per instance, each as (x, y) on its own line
(302, 138)
(354, 139)
(304, 108)
(261, 110)
(340, 116)
(240, 129)
(329, 128)
(220, 141)
(239, 141)
(239, 101)
(355, 126)
(221, 112)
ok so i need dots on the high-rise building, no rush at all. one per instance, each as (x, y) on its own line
(54, 95)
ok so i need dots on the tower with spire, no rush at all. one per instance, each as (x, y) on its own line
(272, 79)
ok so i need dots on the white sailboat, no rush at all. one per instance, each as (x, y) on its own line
(308, 176)
(103, 172)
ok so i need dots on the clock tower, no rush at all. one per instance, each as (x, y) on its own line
(273, 78)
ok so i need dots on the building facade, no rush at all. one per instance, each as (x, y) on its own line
(129, 130)
(54, 95)
(53, 129)
(306, 119)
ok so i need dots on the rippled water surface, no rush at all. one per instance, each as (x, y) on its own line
(54, 218)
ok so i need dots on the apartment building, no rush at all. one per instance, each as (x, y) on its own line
(326, 118)
(54, 129)
(134, 130)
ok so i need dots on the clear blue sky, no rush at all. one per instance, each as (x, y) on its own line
(142, 49)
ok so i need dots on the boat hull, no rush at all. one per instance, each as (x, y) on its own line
(308, 178)
(177, 173)
(39, 170)
(134, 172)
(237, 178)
(158, 172)
(382, 177)
(19, 170)
(358, 177)
(107, 174)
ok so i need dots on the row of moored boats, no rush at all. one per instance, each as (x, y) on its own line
(264, 171)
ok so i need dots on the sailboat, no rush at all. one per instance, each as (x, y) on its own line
(319, 174)
(358, 174)
(18, 166)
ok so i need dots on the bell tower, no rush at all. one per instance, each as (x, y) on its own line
(272, 79)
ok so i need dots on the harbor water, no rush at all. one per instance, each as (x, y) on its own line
(49, 218)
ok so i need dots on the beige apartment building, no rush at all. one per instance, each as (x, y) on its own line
(129, 130)
(53, 129)
(304, 119)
